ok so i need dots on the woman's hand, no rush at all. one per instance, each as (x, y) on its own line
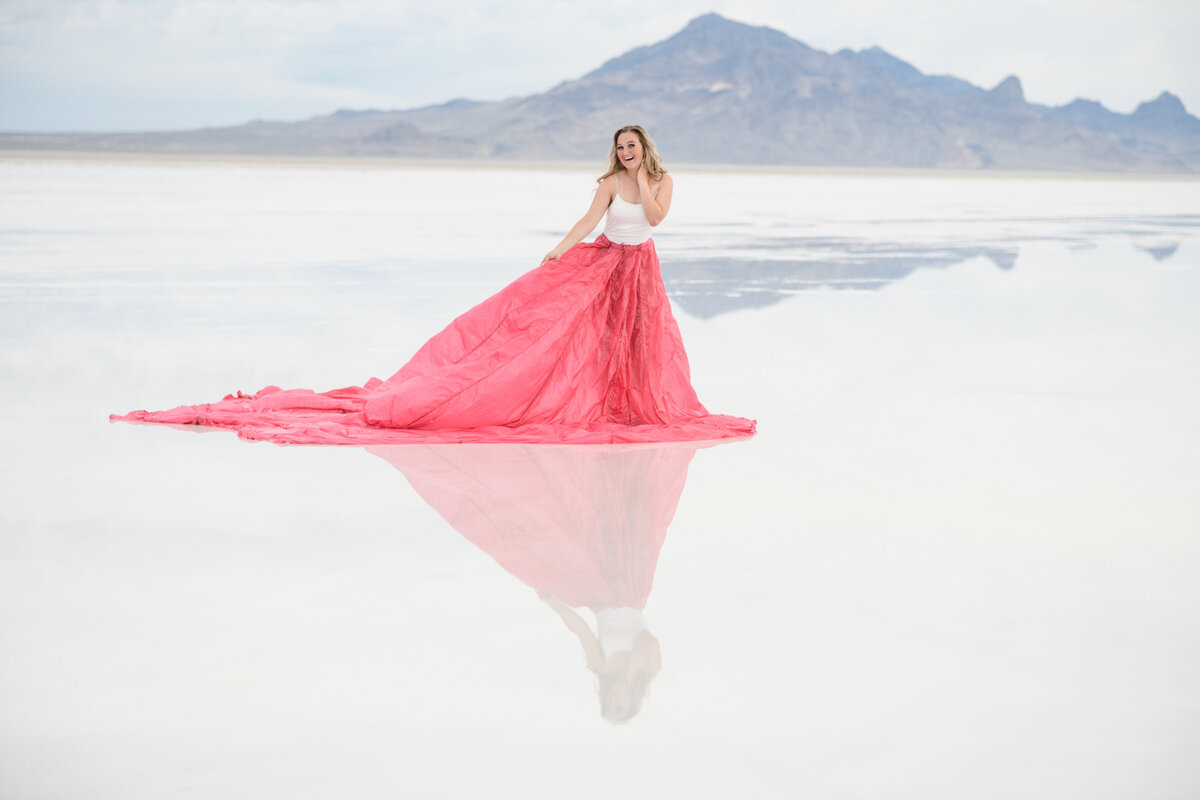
(656, 200)
(553, 254)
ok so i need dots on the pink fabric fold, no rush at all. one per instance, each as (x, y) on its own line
(583, 349)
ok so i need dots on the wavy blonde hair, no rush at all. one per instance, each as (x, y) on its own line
(650, 154)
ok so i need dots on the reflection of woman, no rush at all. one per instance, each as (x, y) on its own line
(582, 349)
(583, 526)
(623, 654)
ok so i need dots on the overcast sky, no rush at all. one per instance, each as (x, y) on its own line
(162, 64)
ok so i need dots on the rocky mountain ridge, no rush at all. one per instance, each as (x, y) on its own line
(724, 92)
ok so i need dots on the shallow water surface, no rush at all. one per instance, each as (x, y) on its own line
(957, 561)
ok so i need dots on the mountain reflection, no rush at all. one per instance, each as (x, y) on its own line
(706, 287)
(736, 266)
(1160, 252)
(581, 525)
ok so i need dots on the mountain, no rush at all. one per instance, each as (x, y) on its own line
(724, 92)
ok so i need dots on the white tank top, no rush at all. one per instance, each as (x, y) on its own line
(626, 222)
(618, 628)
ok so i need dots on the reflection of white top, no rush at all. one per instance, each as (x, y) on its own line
(626, 222)
(617, 628)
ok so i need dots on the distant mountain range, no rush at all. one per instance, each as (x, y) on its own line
(723, 92)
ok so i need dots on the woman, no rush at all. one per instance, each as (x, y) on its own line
(582, 349)
(635, 159)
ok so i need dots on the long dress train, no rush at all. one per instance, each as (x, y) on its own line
(582, 349)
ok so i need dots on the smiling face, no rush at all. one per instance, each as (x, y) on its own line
(629, 151)
(632, 150)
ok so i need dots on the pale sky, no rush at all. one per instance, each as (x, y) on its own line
(74, 65)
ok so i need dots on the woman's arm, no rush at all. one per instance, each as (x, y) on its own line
(588, 222)
(655, 207)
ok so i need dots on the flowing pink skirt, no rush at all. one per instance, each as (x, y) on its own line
(583, 349)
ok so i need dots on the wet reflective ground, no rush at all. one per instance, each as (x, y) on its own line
(958, 561)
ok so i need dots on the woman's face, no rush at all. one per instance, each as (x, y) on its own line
(629, 151)
(615, 704)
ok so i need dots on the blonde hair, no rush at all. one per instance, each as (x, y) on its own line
(650, 156)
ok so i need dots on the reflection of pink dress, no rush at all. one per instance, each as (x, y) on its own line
(583, 349)
(583, 524)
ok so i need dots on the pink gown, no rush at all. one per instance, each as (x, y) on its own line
(583, 349)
